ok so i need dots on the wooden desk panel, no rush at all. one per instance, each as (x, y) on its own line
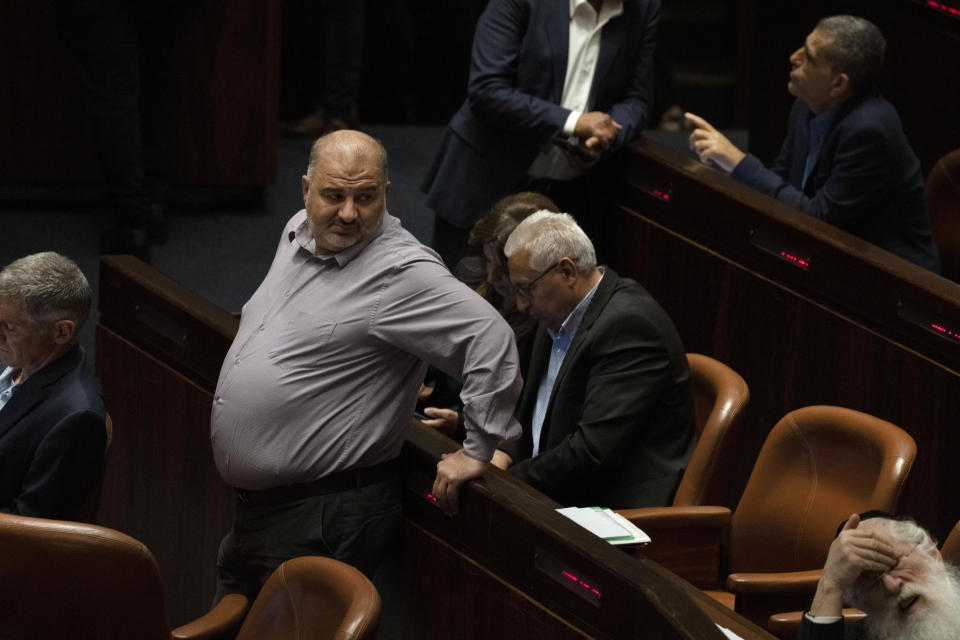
(835, 333)
(477, 575)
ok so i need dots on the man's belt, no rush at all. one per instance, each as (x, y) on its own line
(333, 483)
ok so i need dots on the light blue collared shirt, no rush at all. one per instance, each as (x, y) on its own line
(7, 386)
(561, 344)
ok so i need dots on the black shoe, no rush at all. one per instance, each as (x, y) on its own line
(132, 241)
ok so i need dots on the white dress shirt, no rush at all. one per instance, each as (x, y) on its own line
(585, 27)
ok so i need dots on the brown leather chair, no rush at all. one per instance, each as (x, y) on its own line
(786, 625)
(313, 598)
(817, 466)
(71, 580)
(720, 396)
(88, 510)
(943, 205)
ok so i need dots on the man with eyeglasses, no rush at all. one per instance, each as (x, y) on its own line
(607, 407)
(892, 570)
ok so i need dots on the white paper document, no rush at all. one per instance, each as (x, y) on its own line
(605, 523)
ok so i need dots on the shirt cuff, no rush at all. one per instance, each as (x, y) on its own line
(822, 619)
(571, 122)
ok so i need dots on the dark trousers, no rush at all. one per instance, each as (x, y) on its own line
(356, 526)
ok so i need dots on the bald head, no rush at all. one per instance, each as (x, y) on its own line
(351, 146)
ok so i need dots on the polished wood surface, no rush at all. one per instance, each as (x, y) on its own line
(495, 568)
(834, 320)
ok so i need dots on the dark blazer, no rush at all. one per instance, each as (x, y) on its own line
(52, 438)
(512, 111)
(866, 179)
(619, 427)
(835, 631)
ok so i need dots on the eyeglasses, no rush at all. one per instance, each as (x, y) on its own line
(526, 290)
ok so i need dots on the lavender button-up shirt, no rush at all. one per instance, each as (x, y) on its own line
(324, 371)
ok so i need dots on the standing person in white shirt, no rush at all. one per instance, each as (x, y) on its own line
(554, 88)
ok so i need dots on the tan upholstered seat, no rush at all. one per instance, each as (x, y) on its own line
(720, 397)
(72, 580)
(943, 205)
(313, 598)
(80, 581)
(786, 625)
(817, 466)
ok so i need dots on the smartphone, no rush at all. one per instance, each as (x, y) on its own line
(574, 146)
(420, 415)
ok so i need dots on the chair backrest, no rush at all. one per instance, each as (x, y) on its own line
(70, 580)
(88, 510)
(817, 466)
(314, 598)
(720, 395)
(943, 205)
(950, 550)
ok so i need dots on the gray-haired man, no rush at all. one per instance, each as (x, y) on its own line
(846, 159)
(892, 570)
(52, 431)
(607, 407)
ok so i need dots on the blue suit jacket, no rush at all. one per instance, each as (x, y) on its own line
(52, 438)
(512, 111)
(619, 427)
(866, 180)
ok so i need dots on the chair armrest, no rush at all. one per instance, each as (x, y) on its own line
(786, 583)
(685, 540)
(677, 517)
(220, 623)
(786, 625)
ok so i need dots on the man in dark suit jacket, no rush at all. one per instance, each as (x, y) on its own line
(607, 406)
(520, 81)
(892, 570)
(52, 418)
(845, 160)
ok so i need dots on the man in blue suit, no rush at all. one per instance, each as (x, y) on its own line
(554, 88)
(846, 159)
(52, 419)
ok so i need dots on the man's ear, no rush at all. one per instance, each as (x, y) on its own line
(386, 188)
(305, 185)
(840, 85)
(568, 268)
(64, 331)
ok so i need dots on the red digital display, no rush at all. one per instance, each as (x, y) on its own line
(939, 329)
(942, 7)
(663, 195)
(559, 570)
(580, 583)
(803, 263)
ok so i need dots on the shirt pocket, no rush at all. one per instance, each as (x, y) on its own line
(301, 343)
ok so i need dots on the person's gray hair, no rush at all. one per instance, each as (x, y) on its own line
(903, 529)
(361, 144)
(857, 49)
(50, 286)
(549, 236)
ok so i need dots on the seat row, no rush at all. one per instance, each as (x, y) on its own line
(817, 466)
